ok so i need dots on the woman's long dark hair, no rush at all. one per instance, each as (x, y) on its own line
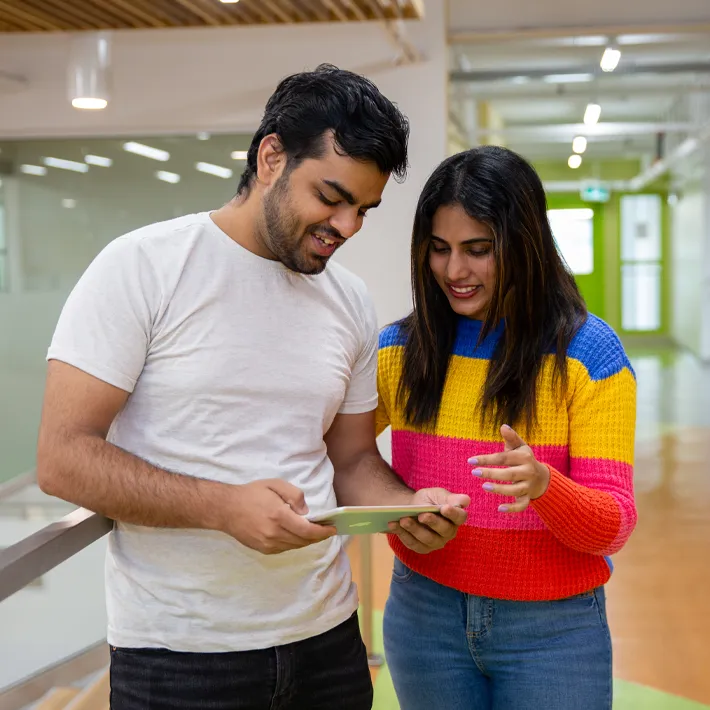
(534, 291)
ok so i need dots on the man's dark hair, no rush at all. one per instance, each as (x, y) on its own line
(365, 125)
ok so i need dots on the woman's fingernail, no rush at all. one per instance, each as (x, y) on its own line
(502, 508)
(487, 486)
(477, 472)
(473, 461)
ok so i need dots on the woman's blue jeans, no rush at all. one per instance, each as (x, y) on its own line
(447, 649)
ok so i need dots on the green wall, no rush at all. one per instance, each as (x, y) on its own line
(602, 289)
(592, 285)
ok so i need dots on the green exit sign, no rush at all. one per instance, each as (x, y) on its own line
(595, 192)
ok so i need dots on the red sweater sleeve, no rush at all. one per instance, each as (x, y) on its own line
(593, 510)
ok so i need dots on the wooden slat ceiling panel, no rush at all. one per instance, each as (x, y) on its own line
(69, 15)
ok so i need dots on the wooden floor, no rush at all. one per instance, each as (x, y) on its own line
(659, 595)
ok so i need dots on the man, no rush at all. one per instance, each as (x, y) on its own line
(210, 381)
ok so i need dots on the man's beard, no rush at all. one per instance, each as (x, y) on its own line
(280, 232)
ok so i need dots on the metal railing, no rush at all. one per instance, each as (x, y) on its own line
(24, 562)
(27, 560)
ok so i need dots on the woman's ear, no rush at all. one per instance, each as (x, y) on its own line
(270, 160)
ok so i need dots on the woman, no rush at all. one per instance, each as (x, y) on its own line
(511, 614)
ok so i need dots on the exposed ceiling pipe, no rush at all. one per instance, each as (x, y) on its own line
(605, 129)
(397, 35)
(513, 34)
(12, 82)
(645, 177)
(591, 70)
(602, 90)
(660, 167)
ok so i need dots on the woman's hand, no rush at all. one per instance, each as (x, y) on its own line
(526, 478)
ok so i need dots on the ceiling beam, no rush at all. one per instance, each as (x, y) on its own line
(12, 82)
(464, 36)
(624, 69)
(544, 91)
(567, 131)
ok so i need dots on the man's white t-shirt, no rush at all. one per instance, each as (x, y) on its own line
(236, 368)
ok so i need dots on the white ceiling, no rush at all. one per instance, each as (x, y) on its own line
(507, 15)
(515, 76)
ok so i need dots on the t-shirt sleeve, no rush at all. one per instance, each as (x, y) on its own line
(105, 325)
(361, 395)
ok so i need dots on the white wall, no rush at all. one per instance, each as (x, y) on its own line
(687, 255)
(690, 256)
(380, 252)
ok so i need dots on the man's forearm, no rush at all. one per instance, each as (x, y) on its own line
(94, 474)
(370, 481)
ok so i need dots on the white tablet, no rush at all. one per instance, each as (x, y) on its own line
(363, 520)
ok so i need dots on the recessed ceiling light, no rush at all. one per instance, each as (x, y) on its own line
(229, 2)
(146, 151)
(239, 154)
(567, 78)
(89, 104)
(216, 170)
(166, 176)
(33, 169)
(579, 144)
(66, 165)
(98, 160)
(583, 41)
(592, 114)
(610, 59)
(574, 161)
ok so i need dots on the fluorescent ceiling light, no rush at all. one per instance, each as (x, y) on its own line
(574, 161)
(648, 38)
(69, 204)
(610, 59)
(229, 2)
(239, 155)
(33, 169)
(567, 78)
(574, 214)
(203, 136)
(217, 170)
(165, 176)
(592, 114)
(66, 165)
(98, 160)
(583, 41)
(579, 144)
(517, 80)
(146, 151)
(89, 104)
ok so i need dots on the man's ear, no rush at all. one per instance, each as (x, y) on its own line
(270, 160)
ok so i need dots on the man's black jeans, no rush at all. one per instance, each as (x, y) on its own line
(326, 672)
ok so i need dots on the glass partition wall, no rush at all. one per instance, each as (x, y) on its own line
(61, 202)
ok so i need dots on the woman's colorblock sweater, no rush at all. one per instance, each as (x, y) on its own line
(559, 546)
